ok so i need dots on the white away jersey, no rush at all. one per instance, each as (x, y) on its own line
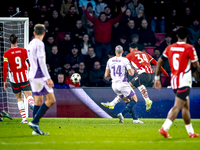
(36, 50)
(118, 67)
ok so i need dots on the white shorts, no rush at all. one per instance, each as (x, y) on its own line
(39, 86)
(123, 89)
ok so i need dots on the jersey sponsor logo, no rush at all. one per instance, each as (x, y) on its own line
(179, 49)
(116, 60)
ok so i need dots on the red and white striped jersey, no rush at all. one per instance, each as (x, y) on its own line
(140, 60)
(180, 56)
(15, 59)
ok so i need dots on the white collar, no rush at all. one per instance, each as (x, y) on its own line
(180, 42)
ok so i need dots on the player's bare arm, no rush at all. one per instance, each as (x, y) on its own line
(107, 73)
(157, 83)
(131, 72)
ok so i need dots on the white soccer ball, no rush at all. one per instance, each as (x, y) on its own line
(76, 78)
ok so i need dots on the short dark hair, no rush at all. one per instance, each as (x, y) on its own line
(182, 32)
(133, 45)
(39, 29)
(13, 38)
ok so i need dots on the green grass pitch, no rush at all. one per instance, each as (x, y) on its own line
(96, 134)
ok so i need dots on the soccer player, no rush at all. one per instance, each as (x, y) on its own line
(180, 56)
(116, 68)
(5, 115)
(17, 59)
(142, 62)
(40, 80)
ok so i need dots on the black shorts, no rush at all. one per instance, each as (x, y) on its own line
(142, 79)
(18, 87)
(182, 93)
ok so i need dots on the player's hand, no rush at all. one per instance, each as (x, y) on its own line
(5, 85)
(157, 84)
(50, 83)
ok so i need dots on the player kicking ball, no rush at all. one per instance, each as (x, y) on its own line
(16, 58)
(40, 80)
(141, 61)
(180, 56)
(116, 68)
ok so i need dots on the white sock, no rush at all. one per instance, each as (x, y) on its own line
(144, 93)
(116, 100)
(22, 109)
(30, 100)
(189, 128)
(167, 124)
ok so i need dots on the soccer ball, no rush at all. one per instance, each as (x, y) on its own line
(76, 78)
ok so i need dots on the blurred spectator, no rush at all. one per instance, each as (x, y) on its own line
(100, 5)
(146, 35)
(194, 31)
(83, 73)
(156, 54)
(85, 44)
(90, 58)
(31, 29)
(115, 6)
(91, 12)
(135, 39)
(197, 47)
(66, 6)
(108, 12)
(123, 42)
(55, 22)
(61, 84)
(25, 13)
(69, 81)
(48, 31)
(138, 19)
(74, 58)
(70, 18)
(116, 32)
(85, 3)
(103, 28)
(90, 30)
(158, 10)
(186, 18)
(165, 43)
(66, 45)
(130, 29)
(10, 11)
(125, 18)
(96, 75)
(54, 60)
(48, 45)
(78, 32)
(134, 6)
(67, 67)
(43, 14)
(52, 74)
(172, 20)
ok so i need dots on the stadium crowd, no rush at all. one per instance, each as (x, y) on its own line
(81, 34)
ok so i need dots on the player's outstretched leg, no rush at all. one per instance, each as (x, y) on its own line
(112, 104)
(121, 118)
(36, 129)
(144, 93)
(5, 115)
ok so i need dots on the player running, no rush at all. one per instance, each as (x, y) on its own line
(142, 63)
(40, 80)
(116, 68)
(16, 58)
(180, 56)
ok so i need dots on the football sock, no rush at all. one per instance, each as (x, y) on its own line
(116, 100)
(129, 107)
(30, 100)
(132, 113)
(189, 128)
(35, 110)
(40, 113)
(144, 93)
(22, 109)
(167, 124)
